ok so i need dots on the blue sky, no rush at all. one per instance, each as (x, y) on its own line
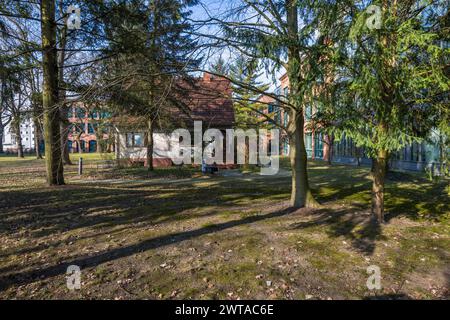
(216, 8)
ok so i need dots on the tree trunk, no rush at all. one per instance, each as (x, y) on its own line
(329, 145)
(52, 136)
(149, 144)
(379, 175)
(300, 194)
(17, 133)
(2, 132)
(64, 124)
(246, 155)
(64, 131)
(37, 136)
(358, 156)
(80, 149)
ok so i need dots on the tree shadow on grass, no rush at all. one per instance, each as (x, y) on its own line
(50, 210)
(399, 296)
(25, 277)
(353, 223)
(428, 201)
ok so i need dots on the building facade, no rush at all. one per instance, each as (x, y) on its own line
(210, 103)
(415, 157)
(27, 134)
(85, 128)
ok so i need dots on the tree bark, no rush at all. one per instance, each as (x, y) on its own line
(64, 131)
(329, 145)
(37, 132)
(149, 140)
(301, 195)
(17, 133)
(52, 136)
(64, 124)
(2, 132)
(379, 175)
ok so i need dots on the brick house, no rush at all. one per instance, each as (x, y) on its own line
(83, 128)
(209, 100)
(314, 140)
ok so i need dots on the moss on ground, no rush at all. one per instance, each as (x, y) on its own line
(176, 234)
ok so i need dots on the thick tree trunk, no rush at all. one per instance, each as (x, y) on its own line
(52, 136)
(300, 194)
(149, 143)
(379, 175)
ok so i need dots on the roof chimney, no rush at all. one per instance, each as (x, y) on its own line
(207, 76)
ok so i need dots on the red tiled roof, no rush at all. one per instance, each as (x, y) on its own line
(209, 100)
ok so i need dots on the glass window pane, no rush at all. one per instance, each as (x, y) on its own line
(129, 139)
(138, 140)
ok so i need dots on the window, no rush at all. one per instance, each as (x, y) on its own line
(286, 147)
(286, 92)
(277, 115)
(91, 128)
(81, 113)
(308, 112)
(286, 118)
(94, 114)
(271, 108)
(278, 91)
(104, 115)
(318, 146)
(135, 140)
(308, 144)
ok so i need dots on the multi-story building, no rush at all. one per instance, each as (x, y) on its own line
(27, 134)
(84, 128)
(314, 140)
(415, 157)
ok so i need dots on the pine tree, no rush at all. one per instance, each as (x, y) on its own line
(248, 111)
(154, 54)
(393, 75)
(244, 73)
(275, 35)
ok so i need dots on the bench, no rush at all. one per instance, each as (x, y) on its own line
(211, 169)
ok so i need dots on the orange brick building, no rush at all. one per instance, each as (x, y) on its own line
(317, 146)
(84, 128)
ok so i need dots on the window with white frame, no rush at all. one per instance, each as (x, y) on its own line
(135, 140)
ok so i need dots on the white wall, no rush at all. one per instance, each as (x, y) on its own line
(27, 132)
(161, 147)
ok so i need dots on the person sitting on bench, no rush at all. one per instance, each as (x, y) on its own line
(211, 169)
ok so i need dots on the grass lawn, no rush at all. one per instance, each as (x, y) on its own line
(177, 234)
